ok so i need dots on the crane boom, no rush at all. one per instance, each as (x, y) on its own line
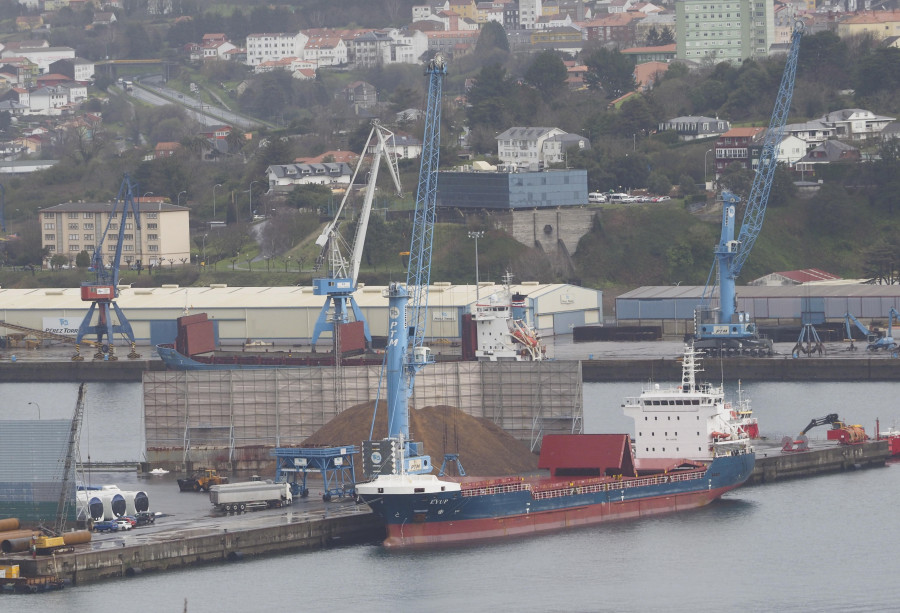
(768, 159)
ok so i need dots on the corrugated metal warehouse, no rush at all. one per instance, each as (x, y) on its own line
(672, 307)
(287, 314)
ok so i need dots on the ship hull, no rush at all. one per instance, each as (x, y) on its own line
(519, 509)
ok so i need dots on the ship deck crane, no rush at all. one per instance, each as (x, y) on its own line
(102, 292)
(406, 353)
(721, 328)
(340, 284)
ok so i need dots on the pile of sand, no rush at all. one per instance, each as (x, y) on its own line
(484, 448)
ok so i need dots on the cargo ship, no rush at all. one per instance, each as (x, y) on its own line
(688, 451)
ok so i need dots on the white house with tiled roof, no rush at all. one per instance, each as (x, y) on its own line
(856, 124)
(269, 47)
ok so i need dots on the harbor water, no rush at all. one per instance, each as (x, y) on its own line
(817, 544)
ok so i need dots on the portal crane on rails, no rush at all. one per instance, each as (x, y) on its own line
(103, 291)
(406, 353)
(719, 328)
(340, 284)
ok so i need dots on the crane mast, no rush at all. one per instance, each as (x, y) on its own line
(102, 292)
(406, 354)
(341, 281)
(721, 327)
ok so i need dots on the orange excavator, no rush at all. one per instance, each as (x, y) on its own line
(841, 432)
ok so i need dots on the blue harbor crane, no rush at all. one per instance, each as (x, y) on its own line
(721, 328)
(340, 284)
(406, 353)
(103, 291)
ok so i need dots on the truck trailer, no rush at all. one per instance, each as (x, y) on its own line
(252, 495)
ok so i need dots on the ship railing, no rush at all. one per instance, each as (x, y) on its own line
(496, 489)
(606, 486)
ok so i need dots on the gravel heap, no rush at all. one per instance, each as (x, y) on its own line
(484, 448)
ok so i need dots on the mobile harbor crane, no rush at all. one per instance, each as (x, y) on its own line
(721, 328)
(875, 340)
(396, 456)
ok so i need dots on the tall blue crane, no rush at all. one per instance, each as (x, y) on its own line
(406, 353)
(722, 328)
(103, 291)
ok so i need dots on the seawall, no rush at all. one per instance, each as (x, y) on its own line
(172, 550)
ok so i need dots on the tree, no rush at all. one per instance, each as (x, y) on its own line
(492, 37)
(58, 261)
(547, 74)
(310, 197)
(610, 72)
(491, 98)
(83, 259)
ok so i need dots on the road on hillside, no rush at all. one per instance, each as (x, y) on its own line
(152, 90)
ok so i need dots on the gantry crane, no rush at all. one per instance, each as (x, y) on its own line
(406, 353)
(102, 292)
(721, 328)
(340, 284)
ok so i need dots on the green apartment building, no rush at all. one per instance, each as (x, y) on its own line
(724, 30)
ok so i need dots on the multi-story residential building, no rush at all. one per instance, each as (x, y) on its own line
(813, 133)
(725, 30)
(77, 69)
(880, 24)
(369, 49)
(524, 146)
(325, 48)
(408, 47)
(42, 56)
(529, 13)
(72, 227)
(734, 146)
(283, 177)
(270, 47)
(856, 124)
(695, 126)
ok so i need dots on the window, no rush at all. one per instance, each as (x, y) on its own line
(88, 226)
(49, 226)
(72, 215)
(127, 247)
(153, 247)
(49, 237)
(129, 226)
(49, 215)
(73, 237)
(88, 237)
(152, 237)
(151, 226)
(73, 226)
(110, 247)
(152, 215)
(128, 237)
(87, 215)
(74, 248)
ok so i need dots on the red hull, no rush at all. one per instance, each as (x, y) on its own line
(894, 445)
(433, 533)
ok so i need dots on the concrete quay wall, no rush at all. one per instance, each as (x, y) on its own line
(117, 371)
(880, 368)
(177, 550)
(773, 465)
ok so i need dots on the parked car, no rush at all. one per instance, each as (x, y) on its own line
(145, 517)
(597, 197)
(130, 519)
(105, 526)
(123, 524)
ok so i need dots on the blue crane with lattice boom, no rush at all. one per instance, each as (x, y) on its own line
(719, 328)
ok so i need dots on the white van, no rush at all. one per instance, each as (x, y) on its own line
(620, 198)
(597, 197)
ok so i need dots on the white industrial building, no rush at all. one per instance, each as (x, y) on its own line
(286, 315)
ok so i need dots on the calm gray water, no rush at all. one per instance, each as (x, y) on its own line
(819, 544)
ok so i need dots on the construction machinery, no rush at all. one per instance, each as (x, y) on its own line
(340, 284)
(719, 327)
(201, 480)
(841, 432)
(406, 353)
(103, 291)
(876, 340)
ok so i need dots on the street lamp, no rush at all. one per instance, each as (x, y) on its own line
(178, 199)
(705, 174)
(204, 248)
(214, 198)
(476, 236)
(148, 194)
(38, 408)
(251, 198)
